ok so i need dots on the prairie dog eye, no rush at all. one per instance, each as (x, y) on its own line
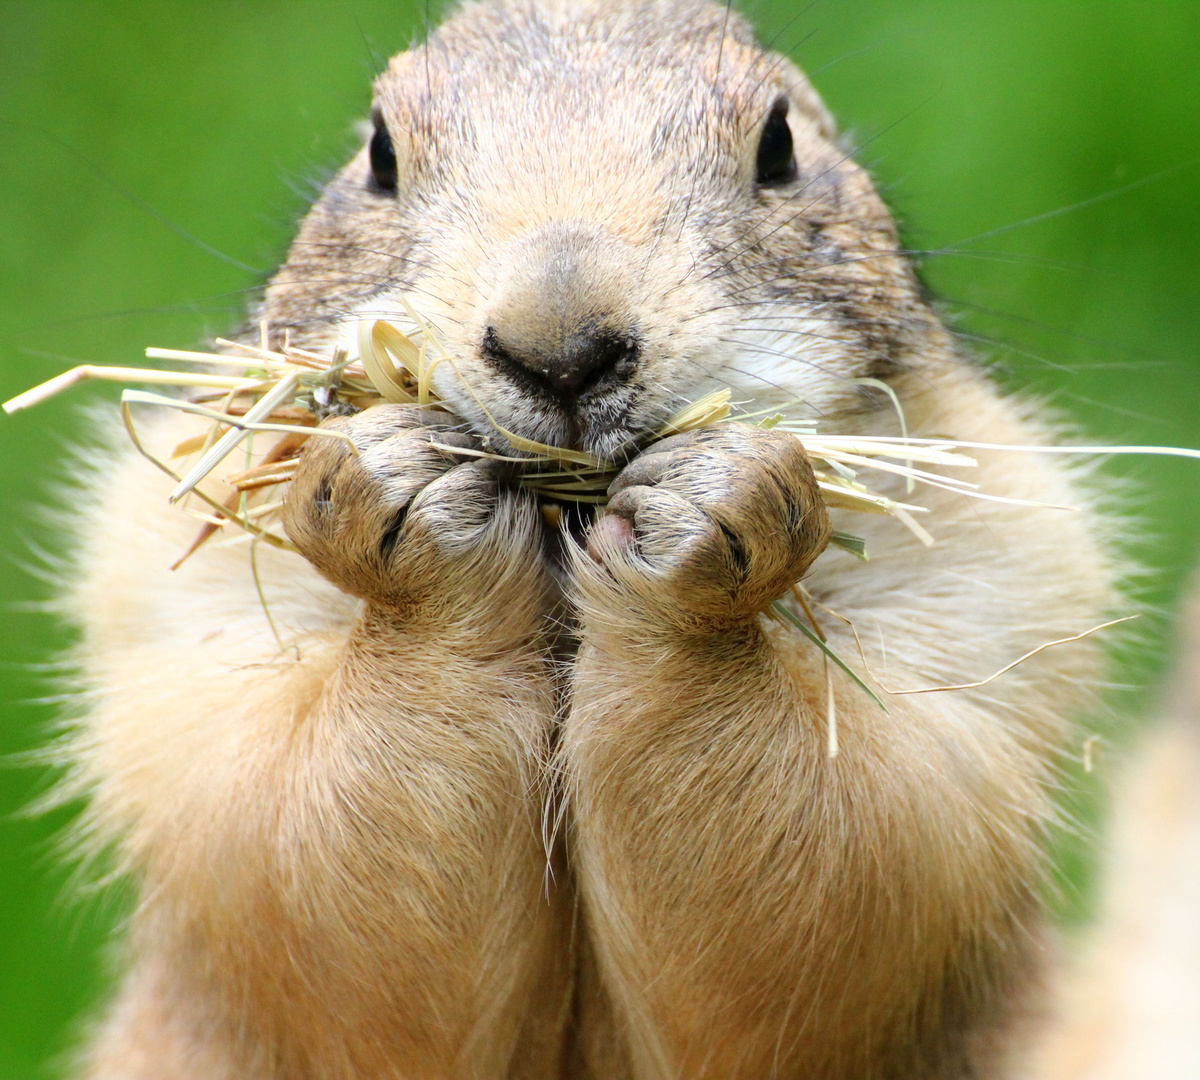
(383, 156)
(776, 163)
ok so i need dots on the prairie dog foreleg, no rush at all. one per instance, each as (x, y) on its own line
(343, 863)
(757, 908)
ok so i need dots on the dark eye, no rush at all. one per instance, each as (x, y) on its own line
(383, 157)
(776, 162)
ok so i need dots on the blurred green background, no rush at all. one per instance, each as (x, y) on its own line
(221, 117)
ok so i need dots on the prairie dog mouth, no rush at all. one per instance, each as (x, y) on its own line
(584, 397)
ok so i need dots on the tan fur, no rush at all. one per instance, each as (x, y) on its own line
(430, 839)
(1129, 1006)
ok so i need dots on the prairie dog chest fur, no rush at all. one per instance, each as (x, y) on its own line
(606, 210)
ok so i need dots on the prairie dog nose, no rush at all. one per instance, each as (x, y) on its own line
(562, 315)
(579, 359)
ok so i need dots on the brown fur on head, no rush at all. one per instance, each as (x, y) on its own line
(578, 212)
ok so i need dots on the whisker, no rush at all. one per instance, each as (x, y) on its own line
(1083, 204)
(136, 200)
(820, 176)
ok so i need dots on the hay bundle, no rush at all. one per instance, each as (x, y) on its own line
(287, 391)
(243, 391)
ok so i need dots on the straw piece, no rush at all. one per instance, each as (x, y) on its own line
(884, 388)
(1092, 451)
(285, 448)
(258, 483)
(854, 444)
(372, 347)
(710, 409)
(1020, 660)
(262, 596)
(855, 545)
(190, 446)
(130, 428)
(793, 621)
(910, 523)
(209, 529)
(830, 712)
(264, 470)
(281, 392)
(141, 397)
(85, 372)
(296, 417)
(798, 593)
(188, 356)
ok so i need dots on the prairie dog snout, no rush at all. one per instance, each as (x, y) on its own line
(564, 320)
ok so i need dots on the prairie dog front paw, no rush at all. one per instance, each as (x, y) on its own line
(406, 522)
(711, 526)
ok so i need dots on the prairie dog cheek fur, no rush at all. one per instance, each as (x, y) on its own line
(423, 844)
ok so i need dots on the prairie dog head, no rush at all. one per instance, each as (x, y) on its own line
(606, 210)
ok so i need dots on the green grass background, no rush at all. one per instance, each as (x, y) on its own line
(974, 115)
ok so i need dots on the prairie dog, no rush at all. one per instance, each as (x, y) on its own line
(607, 210)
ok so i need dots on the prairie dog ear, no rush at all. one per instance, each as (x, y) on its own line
(806, 101)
